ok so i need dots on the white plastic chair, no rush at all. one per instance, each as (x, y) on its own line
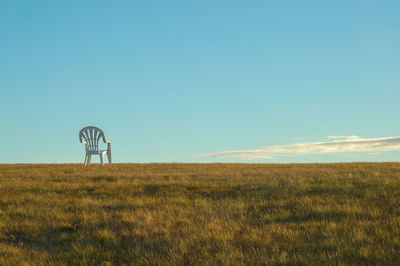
(90, 136)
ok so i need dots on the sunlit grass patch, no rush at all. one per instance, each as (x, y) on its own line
(178, 214)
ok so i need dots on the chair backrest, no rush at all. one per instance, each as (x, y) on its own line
(91, 135)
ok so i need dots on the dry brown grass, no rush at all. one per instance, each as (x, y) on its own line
(182, 214)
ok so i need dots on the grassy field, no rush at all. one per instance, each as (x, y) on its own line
(211, 214)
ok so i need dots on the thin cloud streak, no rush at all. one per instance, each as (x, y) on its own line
(339, 144)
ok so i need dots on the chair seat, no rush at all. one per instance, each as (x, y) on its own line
(96, 152)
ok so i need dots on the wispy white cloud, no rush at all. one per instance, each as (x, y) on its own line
(343, 137)
(338, 144)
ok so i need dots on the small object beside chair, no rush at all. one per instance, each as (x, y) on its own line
(90, 136)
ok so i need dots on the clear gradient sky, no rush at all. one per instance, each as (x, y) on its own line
(169, 80)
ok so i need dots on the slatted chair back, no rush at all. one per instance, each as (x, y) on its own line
(91, 135)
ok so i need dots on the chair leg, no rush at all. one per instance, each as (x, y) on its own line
(101, 158)
(109, 156)
(89, 159)
(86, 160)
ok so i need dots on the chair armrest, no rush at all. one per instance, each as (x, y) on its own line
(86, 145)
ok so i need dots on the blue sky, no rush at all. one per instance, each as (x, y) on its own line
(170, 80)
